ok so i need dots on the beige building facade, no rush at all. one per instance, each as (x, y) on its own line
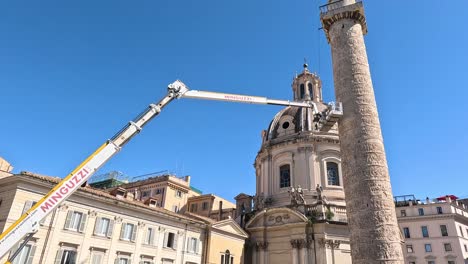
(94, 226)
(435, 232)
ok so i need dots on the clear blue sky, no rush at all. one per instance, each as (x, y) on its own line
(72, 73)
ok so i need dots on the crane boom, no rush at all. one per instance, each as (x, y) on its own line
(28, 223)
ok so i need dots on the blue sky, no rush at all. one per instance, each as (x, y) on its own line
(72, 73)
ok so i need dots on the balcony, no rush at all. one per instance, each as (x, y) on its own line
(334, 6)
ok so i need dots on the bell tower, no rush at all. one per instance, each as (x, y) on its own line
(307, 86)
(375, 236)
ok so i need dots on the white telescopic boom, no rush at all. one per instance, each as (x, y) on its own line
(245, 99)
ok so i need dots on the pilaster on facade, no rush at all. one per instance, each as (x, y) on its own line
(342, 9)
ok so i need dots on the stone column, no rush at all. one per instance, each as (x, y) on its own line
(372, 221)
(261, 251)
(294, 245)
(303, 252)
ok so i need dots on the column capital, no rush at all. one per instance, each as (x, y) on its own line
(298, 243)
(261, 245)
(342, 9)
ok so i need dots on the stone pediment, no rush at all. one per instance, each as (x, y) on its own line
(242, 195)
(229, 226)
(276, 217)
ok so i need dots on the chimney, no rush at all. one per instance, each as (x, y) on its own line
(220, 210)
(427, 200)
(187, 179)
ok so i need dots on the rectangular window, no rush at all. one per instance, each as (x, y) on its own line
(439, 210)
(175, 208)
(428, 247)
(443, 230)
(145, 194)
(466, 248)
(146, 261)
(26, 255)
(333, 174)
(27, 205)
(403, 212)
(409, 248)
(192, 245)
(66, 256)
(123, 260)
(447, 247)
(97, 257)
(461, 230)
(178, 193)
(451, 262)
(76, 221)
(103, 227)
(205, 206)
(149, 237)
(170, 240)
(406, 232)
(412, 262)
(128, 232)
(193, 207)
(430, 262)
(158, 191)
(421, 211)
(285, 176)
(425, 233)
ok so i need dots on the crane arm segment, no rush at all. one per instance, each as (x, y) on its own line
(245, 99)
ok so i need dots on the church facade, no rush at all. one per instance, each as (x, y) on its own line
(299, 213)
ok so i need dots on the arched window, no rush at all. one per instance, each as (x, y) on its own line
(311, 92)
(285, 176)
(333, 175)
(302, 91)
(227, 258)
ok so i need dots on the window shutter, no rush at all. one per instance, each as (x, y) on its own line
(68, 220)
(27, 206)
(116, 260)
(189, 241)
(174, 245)
(197, 244)
(165, 239)
(122, 230)
(134, 230)
(97, 226)
(82, 226)
(110, 229)
(129, 261)
(58, 258)
(31, 254)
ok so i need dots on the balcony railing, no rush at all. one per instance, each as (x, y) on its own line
(334, 6)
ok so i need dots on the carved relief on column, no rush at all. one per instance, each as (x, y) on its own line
(374, 231)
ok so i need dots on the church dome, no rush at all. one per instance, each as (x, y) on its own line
(291, 120)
